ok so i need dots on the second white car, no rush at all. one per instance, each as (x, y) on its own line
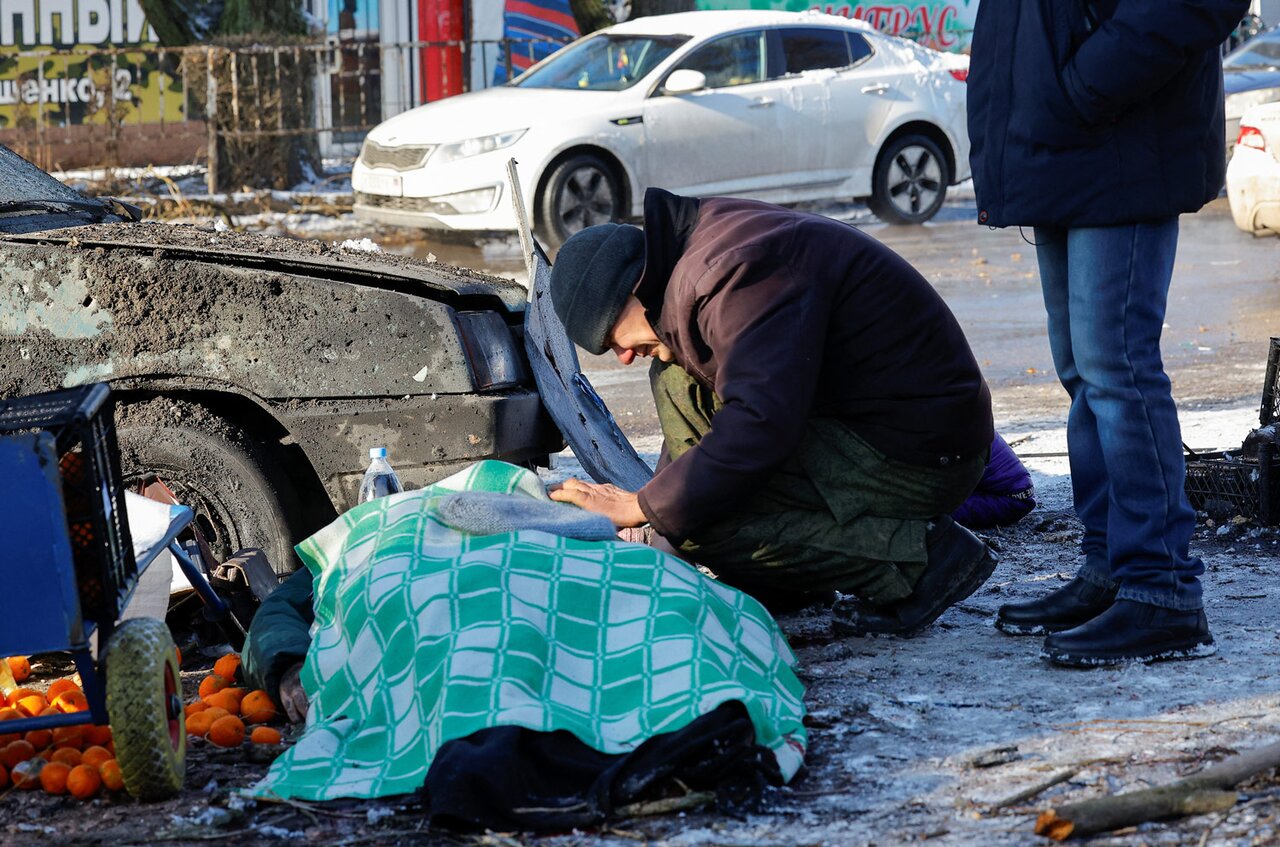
(778, 106)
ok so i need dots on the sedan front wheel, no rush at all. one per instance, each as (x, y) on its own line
(581, 192)
(910, 181)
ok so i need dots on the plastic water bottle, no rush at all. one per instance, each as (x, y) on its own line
(379, 480)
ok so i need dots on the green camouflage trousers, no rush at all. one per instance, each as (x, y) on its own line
(839, 515)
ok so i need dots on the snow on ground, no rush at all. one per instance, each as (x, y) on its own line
(896, 725)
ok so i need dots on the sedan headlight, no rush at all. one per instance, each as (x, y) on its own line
(476, 146)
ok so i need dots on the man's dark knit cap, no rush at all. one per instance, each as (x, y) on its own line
(595, 272)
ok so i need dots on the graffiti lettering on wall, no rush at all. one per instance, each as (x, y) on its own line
(941, 24)
(57, 67)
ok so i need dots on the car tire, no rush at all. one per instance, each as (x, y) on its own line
(910, 180)
(240, 496)
(581, 191)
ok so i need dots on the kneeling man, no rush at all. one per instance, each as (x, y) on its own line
(821, 409)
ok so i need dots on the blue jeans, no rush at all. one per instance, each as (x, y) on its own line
(1105, 289)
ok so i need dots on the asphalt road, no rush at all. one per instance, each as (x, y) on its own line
(1224, 306)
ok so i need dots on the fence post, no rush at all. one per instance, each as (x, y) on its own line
(211, 120)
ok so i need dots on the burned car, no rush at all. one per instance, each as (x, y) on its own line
(252, 373)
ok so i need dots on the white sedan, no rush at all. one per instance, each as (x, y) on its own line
(779, 106)
(1253, 175)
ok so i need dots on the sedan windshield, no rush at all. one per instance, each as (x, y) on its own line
(601, 63)
(1261, 52)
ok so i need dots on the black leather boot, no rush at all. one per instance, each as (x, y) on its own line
(958, 563)
(1130, 631)
(1071, 605)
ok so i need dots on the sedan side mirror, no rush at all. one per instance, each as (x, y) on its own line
(684, 81)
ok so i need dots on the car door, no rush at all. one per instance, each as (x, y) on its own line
(724, 138)
(839, 94)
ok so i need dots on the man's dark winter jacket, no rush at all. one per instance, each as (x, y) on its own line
(1097, 112)
(788, 316)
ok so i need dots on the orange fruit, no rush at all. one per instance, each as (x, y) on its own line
(95, 756)
(265, 735)
(83, 782)
(257, 707)
(4, 777)
(19, 667)
(111, 775)
(15, 752)
(212, 684)
(69, 756)
(53, 777)
(58, 686)
(72, 701)
(199, 723)
(227, 665)
(99, 734)
(39, 738)
(197, 706)
(227, 731)
(32, 704)
(177, 650)
(17, 694)
(68, 736)
(26, 774)
(223, 700)
(9, 715)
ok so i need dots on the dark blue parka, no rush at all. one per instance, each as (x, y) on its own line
(1097, 112)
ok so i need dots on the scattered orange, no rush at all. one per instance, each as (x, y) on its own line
(19, 667)
(17, 694)
(69, 756)
(227, 665)
(71, 701)
(265, 735)
(32, 704)
(53, 777)
(83, 782)
(99, 734)
(223, 700)
(39, 738)
(227, 731)
(15, 752)
(9, 715)
(58, 686)
(199, 723)
(257, 707)
(95, 756)
(111, 775)
(197, 706)
(212, 684)
(26, 774)
(68, 736)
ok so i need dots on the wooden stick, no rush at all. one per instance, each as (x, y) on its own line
(1193, 795)
(1035, 790)
(666, 805)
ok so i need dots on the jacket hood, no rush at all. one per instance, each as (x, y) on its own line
(668, 220)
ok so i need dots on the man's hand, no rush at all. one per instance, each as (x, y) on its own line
(292, 697)
(621, 507)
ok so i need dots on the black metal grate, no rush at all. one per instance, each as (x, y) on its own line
(1226, 485)
(81, 422)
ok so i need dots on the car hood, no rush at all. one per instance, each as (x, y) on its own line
(493, 110)
(1236, 81)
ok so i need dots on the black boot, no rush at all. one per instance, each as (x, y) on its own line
(958, 563)
(1071, 605)
(1130, 631)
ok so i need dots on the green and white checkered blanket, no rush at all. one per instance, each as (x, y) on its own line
(425, 634)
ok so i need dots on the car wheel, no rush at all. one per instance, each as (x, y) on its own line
(910, 181)
(581, 192)
(210, 464)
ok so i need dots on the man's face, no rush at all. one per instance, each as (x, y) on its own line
(634, 336)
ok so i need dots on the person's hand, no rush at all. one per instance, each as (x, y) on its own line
(621, 507)
(292, 697)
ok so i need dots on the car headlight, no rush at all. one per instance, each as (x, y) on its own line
(476, 146)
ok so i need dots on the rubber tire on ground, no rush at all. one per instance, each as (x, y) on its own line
(881, 200)
(240, 496)
(589, 174)
(138, 658)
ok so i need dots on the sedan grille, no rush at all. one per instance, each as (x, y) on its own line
(373, 155)
(396, 204)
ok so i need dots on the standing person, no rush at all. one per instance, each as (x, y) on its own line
(821, 409)
(1097, 122)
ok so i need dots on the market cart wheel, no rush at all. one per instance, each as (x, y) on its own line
(144, 703)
